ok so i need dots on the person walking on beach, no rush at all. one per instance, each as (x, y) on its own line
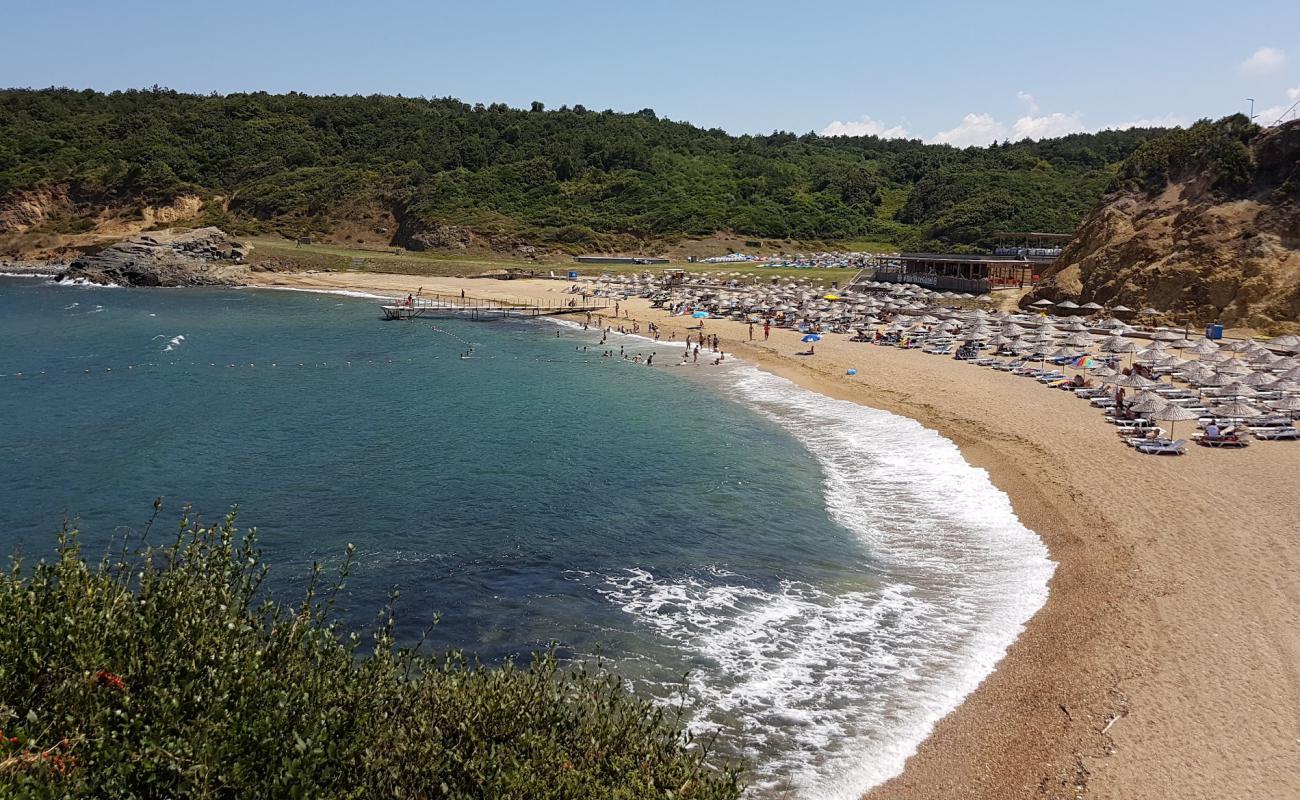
(767, 329)
(462, 294)
(751, 331)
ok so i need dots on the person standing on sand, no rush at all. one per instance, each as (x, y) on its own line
(751, 331)
(767, 329)
(462, 294)
(616, 309)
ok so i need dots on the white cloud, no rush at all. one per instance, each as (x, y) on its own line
(1028, 100)
(1272, 114)
(1165, 121)
(865, 127)
(975, 129)
(1047, 126)
(982, 130)
(1264, 61)
(1293, 93)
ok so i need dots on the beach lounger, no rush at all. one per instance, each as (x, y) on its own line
(1141, 433)
(1158, 448)
(1276, 434)
(1231, 440)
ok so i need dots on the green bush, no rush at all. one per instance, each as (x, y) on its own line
(287, 160)
(166, 672)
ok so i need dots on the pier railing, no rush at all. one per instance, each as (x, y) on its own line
(481, 308)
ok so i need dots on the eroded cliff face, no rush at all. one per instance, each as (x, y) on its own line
(202, 257)
(1194, 250)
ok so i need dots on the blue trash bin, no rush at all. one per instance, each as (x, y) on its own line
(1214, 332)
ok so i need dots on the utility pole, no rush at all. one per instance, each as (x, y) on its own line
(1252, 108)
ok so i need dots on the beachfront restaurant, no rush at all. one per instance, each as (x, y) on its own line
(956, 273)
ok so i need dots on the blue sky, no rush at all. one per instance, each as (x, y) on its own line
(960, 72)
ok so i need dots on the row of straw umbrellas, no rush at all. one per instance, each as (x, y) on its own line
(1235, 373)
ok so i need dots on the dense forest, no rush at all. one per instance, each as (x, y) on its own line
(568, 176)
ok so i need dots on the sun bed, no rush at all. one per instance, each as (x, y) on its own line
(1276, 434)
(1158, 448)
(1141, 432)
(1228, 440)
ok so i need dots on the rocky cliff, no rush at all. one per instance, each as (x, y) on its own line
(1203, 224)
(202, 257)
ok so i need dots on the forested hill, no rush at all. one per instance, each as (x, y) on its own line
(569, 177)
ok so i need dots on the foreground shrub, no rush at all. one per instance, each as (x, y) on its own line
(166, 673)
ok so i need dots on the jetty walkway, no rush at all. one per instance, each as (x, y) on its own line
(448, 305)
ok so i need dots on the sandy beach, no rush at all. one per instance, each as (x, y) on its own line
(1166, 662)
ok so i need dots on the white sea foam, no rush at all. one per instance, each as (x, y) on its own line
(83, 282)
(833, 690)
(173, 342)
(24, 274)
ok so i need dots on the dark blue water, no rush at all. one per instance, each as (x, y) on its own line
(671, 520)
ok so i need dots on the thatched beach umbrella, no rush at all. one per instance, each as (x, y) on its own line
(1078, 340)
(1289, 343)
(1256, 379)
(1136, 381)
(1147, 402)
(1238, 409)
(1171, 413)
(1291, 404)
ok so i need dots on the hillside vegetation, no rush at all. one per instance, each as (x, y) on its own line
(441, 173)
(1202, 223)
(169, 671)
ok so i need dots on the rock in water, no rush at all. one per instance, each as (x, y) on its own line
(202, 257)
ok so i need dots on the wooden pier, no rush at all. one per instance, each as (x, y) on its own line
(476, 309)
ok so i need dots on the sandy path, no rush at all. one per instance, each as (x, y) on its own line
(1175, 606)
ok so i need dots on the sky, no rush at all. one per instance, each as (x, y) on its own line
(965, 73)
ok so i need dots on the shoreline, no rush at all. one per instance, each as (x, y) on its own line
(1117, 683)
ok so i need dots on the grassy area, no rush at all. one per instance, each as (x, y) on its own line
(339, 258)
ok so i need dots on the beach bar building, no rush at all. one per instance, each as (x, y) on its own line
(956, 273)
(1017, 261)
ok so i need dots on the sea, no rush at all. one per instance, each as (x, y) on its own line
(821, 581)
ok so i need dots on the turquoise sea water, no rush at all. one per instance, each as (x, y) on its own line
(833, 578)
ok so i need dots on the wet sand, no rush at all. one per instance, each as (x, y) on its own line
(1166, 662)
